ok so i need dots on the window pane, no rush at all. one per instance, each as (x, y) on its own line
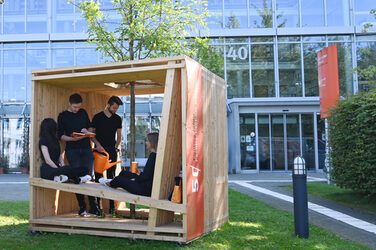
(321, 141)
(366, 52)
(312, 13)
(261, 13)
(236, 14)
(14, 17)
(263, 140)
(14, 75)
(247, 141)
(262, 60)
(35, 59)
(80, 23)
(308, 141)
(310, 68)
(362, 10)
(142, 129)
(287, 13)
(338, 12)
(345, 69)
(290, 72)
(237, 63)
(293, 139)
(86, 56)
(62, 57)
(13, 130)
(278, 143)
(215, 8)
(62, 16)
(36, 16)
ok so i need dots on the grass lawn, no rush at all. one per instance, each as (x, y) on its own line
(252, 225)
(342, 195)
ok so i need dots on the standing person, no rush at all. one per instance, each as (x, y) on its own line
(106, 124)
(53, 163)
(78, 149)
(140, 183)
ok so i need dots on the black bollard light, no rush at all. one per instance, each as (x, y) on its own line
(299, 178)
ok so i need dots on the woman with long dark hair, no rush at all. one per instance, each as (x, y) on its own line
(53, 163)
(139, 183)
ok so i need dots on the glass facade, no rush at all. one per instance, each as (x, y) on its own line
(268, 49)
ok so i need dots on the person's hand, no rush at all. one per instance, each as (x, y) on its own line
(100, 148)
(61, 161)
(84, 130)
(138, 172)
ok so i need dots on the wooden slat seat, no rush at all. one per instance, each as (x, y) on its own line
(99, 190)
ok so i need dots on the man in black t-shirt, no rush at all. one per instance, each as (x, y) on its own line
(106, 125)
(78, 149)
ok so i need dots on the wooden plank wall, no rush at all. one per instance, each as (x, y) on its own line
(215, 151)
(169, 154)
(49, 101)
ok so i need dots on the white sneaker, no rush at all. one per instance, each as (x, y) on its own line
(61, 178)
(104, 181)
(85, 178)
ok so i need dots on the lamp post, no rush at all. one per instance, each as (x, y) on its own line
(299, 178)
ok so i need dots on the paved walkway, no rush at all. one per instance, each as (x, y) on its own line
(348, 223)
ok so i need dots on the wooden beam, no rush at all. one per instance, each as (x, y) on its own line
(98, 190)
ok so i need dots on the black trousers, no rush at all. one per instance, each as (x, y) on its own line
(47, 172)
(82, 158)
(110, 172)
(124, 181)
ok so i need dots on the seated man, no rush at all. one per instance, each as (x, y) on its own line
(139, 183)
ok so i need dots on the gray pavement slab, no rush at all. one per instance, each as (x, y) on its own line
(14, 187)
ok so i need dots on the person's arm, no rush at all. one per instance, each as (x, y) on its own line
(118, 138)
(92, 129)
(47, 157)
(148, 173)
(70, 138)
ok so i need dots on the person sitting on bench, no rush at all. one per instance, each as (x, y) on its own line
(53, 163)
(139, 183)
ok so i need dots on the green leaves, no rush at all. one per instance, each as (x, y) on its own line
(352, 138)
(147, 29)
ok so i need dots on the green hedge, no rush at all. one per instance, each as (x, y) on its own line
(352, 138)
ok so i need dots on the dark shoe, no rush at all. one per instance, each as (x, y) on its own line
(82, 211)
(96, 211)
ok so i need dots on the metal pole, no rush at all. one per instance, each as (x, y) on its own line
(327, 150)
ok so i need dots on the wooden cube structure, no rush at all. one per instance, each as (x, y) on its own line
(192, 139)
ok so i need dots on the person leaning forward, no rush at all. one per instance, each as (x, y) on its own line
(78, 149)
(106, 124)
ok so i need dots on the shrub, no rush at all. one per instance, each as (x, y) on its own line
(352, 138)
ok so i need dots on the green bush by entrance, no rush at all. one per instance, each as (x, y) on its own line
(352, 138)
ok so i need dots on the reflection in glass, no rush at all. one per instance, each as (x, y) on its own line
(237, 63)
(338, 12)
(62, 57)
(366, 52)
(86, 56)
(142, 129)
(247, 141)
(262, 60)
(321, 140)
(287, 13)
(36, 16)
(12, 144)
(35, 59)
(264, 142)
(312, 13)
(293, 139)
(235, 14)
(345, 69)
(215, 8)
(362, 12)
(278, 143)
(14, 17)
(310, 68)
(14, 75)
(290, 72)
(62, 16)
(261, 13)
(308, 141)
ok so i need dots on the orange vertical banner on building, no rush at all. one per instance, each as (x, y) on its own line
(195, 150)
(327, 63)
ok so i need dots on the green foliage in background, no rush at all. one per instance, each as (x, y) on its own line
(352, 138)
